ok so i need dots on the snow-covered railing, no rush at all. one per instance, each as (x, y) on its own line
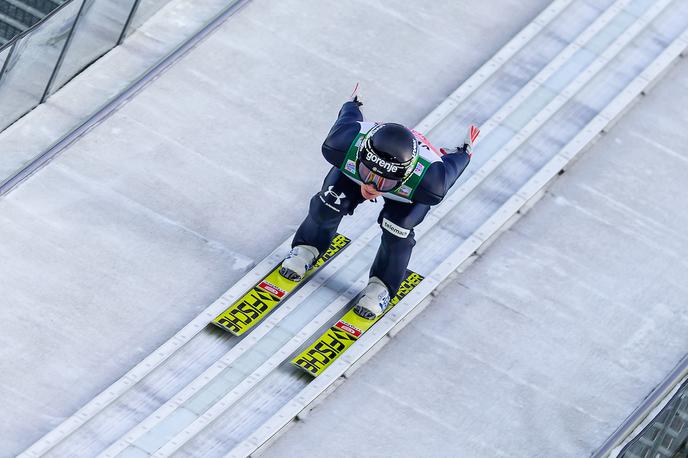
(642, 422)
(44, 57)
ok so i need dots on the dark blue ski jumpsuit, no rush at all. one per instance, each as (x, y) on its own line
(340, 195)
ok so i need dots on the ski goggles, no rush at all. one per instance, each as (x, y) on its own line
(379, 182)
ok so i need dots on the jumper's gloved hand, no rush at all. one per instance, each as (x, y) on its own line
(354, 96)
(467, 147)
(471, 137)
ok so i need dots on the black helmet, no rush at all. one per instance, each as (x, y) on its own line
(389, 150)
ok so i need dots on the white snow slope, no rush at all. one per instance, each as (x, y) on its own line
(145, 221)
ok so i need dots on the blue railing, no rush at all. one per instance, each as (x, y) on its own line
(38, 62)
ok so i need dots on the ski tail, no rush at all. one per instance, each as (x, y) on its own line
(348, 329)
(269, 292)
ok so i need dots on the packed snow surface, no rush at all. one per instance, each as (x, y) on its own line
(142, 223)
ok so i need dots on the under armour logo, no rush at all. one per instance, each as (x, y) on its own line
(338, 197)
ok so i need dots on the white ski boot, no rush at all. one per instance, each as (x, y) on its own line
(374, 300)
(299, 261)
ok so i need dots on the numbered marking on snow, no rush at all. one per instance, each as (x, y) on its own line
(268, 293)
(336, 340)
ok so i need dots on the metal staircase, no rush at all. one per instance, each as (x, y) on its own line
(16, 16)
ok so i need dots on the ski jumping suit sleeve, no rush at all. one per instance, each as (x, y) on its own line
(441, 176)
(342, 134)
(340, 196)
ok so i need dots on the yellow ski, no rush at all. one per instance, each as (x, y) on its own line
(337, 339)
(268, 293)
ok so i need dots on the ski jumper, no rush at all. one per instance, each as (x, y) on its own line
(404, 207)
